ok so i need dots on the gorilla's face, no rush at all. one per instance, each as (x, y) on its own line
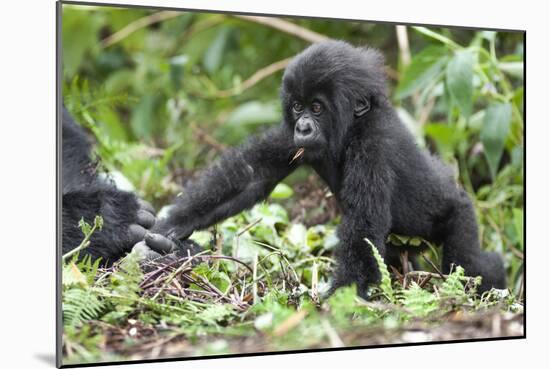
(326, 90)
(321, 120)
(311, 121)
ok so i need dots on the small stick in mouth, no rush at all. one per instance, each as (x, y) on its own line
(298, 154)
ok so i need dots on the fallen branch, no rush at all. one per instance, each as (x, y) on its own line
(137, 25)
(286, 26)
(258, 76)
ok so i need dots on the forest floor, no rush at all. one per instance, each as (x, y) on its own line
(259, 286)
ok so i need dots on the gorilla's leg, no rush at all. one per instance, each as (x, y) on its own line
(355, 261)
(355, 264)
(461, 247)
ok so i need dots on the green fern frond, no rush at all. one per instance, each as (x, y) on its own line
(452, 287)
(419, 301)
(80, 305)
(124, 285)
(385, 280)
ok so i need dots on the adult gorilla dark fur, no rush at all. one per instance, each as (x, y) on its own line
(336, 107)
(126, 218)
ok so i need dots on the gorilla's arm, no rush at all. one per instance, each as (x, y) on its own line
(119, 211)
(125, 217)
(239, 179)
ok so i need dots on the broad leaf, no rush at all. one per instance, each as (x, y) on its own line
(424, 67)
(142, 117)
(281, 191)
(496, 127)
(253, 113)
(459, 77)
(213, 56)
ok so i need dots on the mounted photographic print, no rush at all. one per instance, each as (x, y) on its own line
(238, 184)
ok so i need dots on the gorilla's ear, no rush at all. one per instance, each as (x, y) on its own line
(362, 106)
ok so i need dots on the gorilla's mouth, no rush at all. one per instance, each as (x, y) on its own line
(309, 143)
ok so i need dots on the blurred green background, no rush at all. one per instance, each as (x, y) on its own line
(165, 92)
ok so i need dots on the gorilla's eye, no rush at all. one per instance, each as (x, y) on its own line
(297, 107)
(316, 108)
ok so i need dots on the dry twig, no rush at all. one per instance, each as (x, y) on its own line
(287, 27)
(138, 24)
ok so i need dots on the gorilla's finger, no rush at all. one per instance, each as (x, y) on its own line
(145, 252)
(144, 205)
(180, 232)
(159, 243)
(145, 219)
(136, 233)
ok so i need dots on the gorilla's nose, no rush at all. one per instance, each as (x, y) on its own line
(304, 127)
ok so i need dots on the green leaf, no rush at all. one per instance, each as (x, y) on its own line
(459, 77)
(270, 214)
(515, 69)
(424, 67)
(264, 321)
(415, 241)
(85, 227)
(296, 234)
(220, 280)
(213, 56)
(518, 224)
(177, 64)
(142, 117)
(254, 112)
(445, 136)
(201, 237)
(246, 118)
(412, 125)
(496, 127)
(216, 313)
(281, 191)
(343, 303)
(72, 275)
(80, 31)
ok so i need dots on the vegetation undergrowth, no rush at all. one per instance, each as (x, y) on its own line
(164, 99)
(259, 286)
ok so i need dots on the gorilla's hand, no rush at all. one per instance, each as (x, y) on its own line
(145, 220)
(154, 245)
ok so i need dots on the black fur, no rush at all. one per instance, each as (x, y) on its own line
(383, 182)
(85, 195)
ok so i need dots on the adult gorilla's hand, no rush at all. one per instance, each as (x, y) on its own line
(145, 220)
(149, 245)
(154, 245)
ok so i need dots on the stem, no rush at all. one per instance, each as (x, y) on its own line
(85, 243)
(438, 37)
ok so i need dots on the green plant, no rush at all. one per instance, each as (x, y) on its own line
(167, 99)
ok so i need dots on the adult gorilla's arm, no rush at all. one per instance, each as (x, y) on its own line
(239, 179)
(126, 218)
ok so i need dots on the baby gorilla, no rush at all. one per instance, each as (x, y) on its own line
(338, 119)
